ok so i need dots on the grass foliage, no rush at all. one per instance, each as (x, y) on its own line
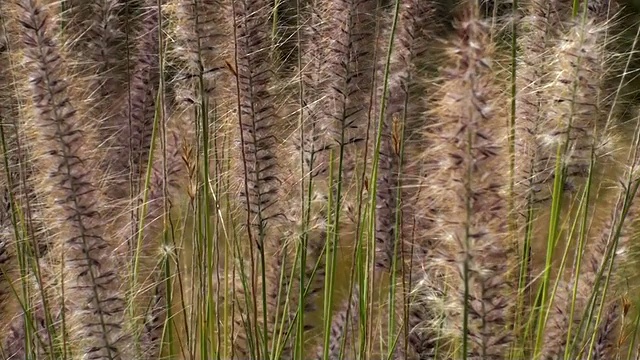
(319, 179)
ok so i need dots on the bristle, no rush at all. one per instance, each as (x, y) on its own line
(17, 346)
(574, 118)
(280, 305)
(559, 322)
(203, 53)
(313, 52)
(347, 317)
(603, 9)
(314, 145)
(258, 160)
(91, 272)
(282, 294)
(605, 339)
(257, 115)
(539, 26)
(538, 31)
(167, 175)
(13, 195)
(9, 180)
(574, 122)
(201, 29)
(412, 18)
(8, 265)
(422, 318)
(614, 236)
(350, 28)
(315, 261)
(134, 124)
(470, 185)
(168, 172)
(151, 339)
(104, 39)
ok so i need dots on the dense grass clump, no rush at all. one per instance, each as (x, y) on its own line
(319, 179)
